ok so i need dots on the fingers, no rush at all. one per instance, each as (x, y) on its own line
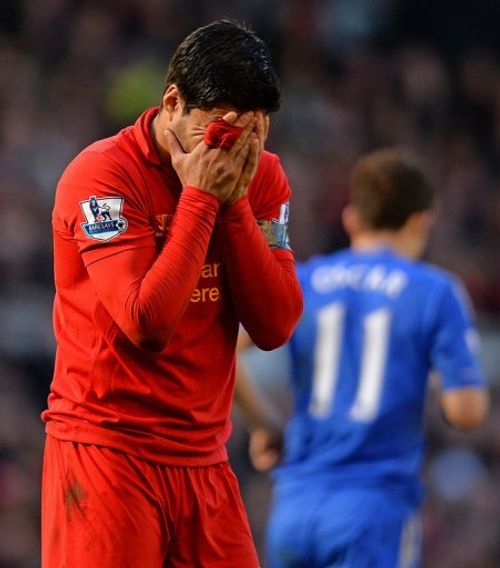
(254, 152)
(252, 122)
(266, 126)
(247, 158)
(250, 155)
(245, 135)
(225, 172)
(231, 117)
(244, 118)
(242, 157)
(174, 146)
(260, 129)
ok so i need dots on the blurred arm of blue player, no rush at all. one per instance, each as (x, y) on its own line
(464, 397)
(262, 419)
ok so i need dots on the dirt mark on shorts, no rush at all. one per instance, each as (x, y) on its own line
(74, 495)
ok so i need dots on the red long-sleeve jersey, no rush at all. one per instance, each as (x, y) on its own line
(152, 281)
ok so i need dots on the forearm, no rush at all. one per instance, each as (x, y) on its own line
(263, 283)
(152, 295)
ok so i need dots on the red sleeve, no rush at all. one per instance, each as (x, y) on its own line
(99, 206)
(151, 294)
(260, 265)
(146, 293)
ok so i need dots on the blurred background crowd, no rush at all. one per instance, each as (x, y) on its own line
(355, 74)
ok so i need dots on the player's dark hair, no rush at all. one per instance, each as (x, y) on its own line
(388, 186)
(224, 63)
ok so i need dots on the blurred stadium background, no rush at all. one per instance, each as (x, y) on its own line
(356, 74)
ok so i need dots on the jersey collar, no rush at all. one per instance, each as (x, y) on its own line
(142, 133)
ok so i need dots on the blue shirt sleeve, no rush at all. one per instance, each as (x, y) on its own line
(454, 350)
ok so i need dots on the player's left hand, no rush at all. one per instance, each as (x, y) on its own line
(257, 140)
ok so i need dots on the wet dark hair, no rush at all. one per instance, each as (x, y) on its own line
(387, 187)
(224, 63)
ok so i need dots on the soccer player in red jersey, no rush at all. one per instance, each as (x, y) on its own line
(163, 245)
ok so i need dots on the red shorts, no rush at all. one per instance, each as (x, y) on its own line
(105, 509)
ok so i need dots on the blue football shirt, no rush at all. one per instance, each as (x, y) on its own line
(374, 325)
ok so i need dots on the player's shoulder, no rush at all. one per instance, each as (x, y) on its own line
(269, 170)
(443, 296)
(107, 156)
(101, 170)
(432, 275)
(438, 291)
(268, 162)
(269, 189)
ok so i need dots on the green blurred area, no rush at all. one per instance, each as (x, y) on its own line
(132, 89)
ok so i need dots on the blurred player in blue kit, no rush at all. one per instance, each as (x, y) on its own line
(376, 322)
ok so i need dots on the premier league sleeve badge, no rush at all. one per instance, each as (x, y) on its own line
(104, 217)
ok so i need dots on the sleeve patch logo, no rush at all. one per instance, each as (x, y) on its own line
(104, 217)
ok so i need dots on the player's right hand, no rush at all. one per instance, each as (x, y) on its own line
(216, 171)
(265, 448)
